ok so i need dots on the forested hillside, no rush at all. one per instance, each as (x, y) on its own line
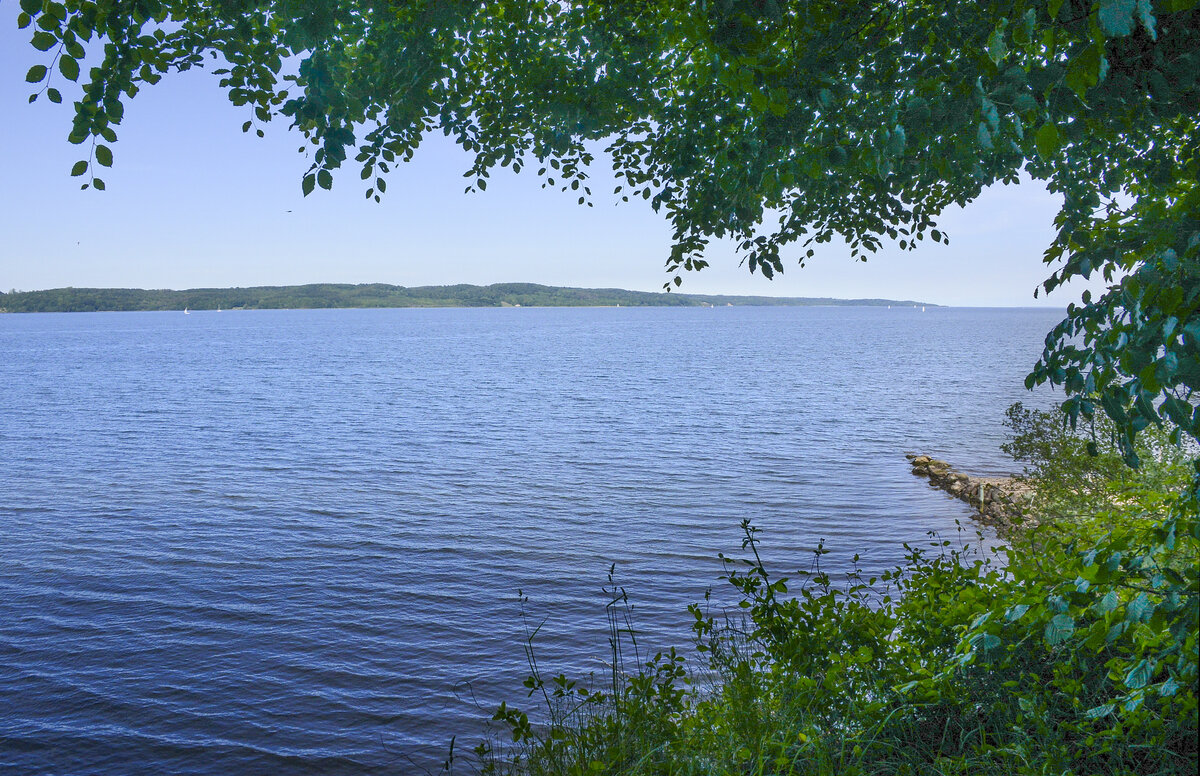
(378, 295)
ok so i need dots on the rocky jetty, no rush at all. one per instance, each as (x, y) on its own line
(1000, 501)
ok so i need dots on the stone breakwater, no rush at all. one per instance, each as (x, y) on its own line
(999, 501)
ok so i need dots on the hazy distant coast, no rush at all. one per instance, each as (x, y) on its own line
(326, 295)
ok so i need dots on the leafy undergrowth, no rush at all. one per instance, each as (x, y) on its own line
(1078, 476)
(1072, 652)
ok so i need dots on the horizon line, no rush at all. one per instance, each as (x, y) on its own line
(664, 293)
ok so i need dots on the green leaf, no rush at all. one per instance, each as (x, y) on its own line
(1146, 16)
(1139, 675)
(1059, 629)
(307, 185)
(99, 184)
(1139, 609)
(35, 74)
(104, 156)
(1116, 17)
(1085, 70)
(985, 642)
(1177, 410)
(1109, 602)
(996, 50)
(1016, 612)
(325, 179)
(1047, 141)
(1023, 32)
(984, 137)
(990, 114)
(79, 169)
(43, 41)
(1097, 712)
(68, 67)
(54, 95)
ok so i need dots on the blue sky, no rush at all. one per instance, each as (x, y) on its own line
(191, 201)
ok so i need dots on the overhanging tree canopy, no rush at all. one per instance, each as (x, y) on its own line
(780, 123)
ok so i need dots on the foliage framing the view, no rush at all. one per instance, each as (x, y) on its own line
(781, 124)
(784, 125)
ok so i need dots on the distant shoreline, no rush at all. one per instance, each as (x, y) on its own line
(379, 295)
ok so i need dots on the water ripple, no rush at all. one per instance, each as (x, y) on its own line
(291, 541)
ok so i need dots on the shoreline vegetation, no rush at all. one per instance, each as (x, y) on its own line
(1070, 650)
(364, 295)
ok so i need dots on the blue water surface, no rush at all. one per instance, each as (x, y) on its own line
(290, 542)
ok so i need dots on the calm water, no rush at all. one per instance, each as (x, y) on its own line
(288, 542)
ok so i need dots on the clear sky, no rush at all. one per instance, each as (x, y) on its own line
(191, 201)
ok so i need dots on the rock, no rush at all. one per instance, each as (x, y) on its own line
(995, 499)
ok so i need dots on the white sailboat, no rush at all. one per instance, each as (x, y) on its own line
(185, 311)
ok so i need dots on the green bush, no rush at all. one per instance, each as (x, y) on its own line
(1071, 651)
(1076, 475)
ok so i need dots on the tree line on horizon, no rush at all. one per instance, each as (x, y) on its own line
(341, 295)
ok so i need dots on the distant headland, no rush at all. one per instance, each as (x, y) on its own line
(327, 295)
